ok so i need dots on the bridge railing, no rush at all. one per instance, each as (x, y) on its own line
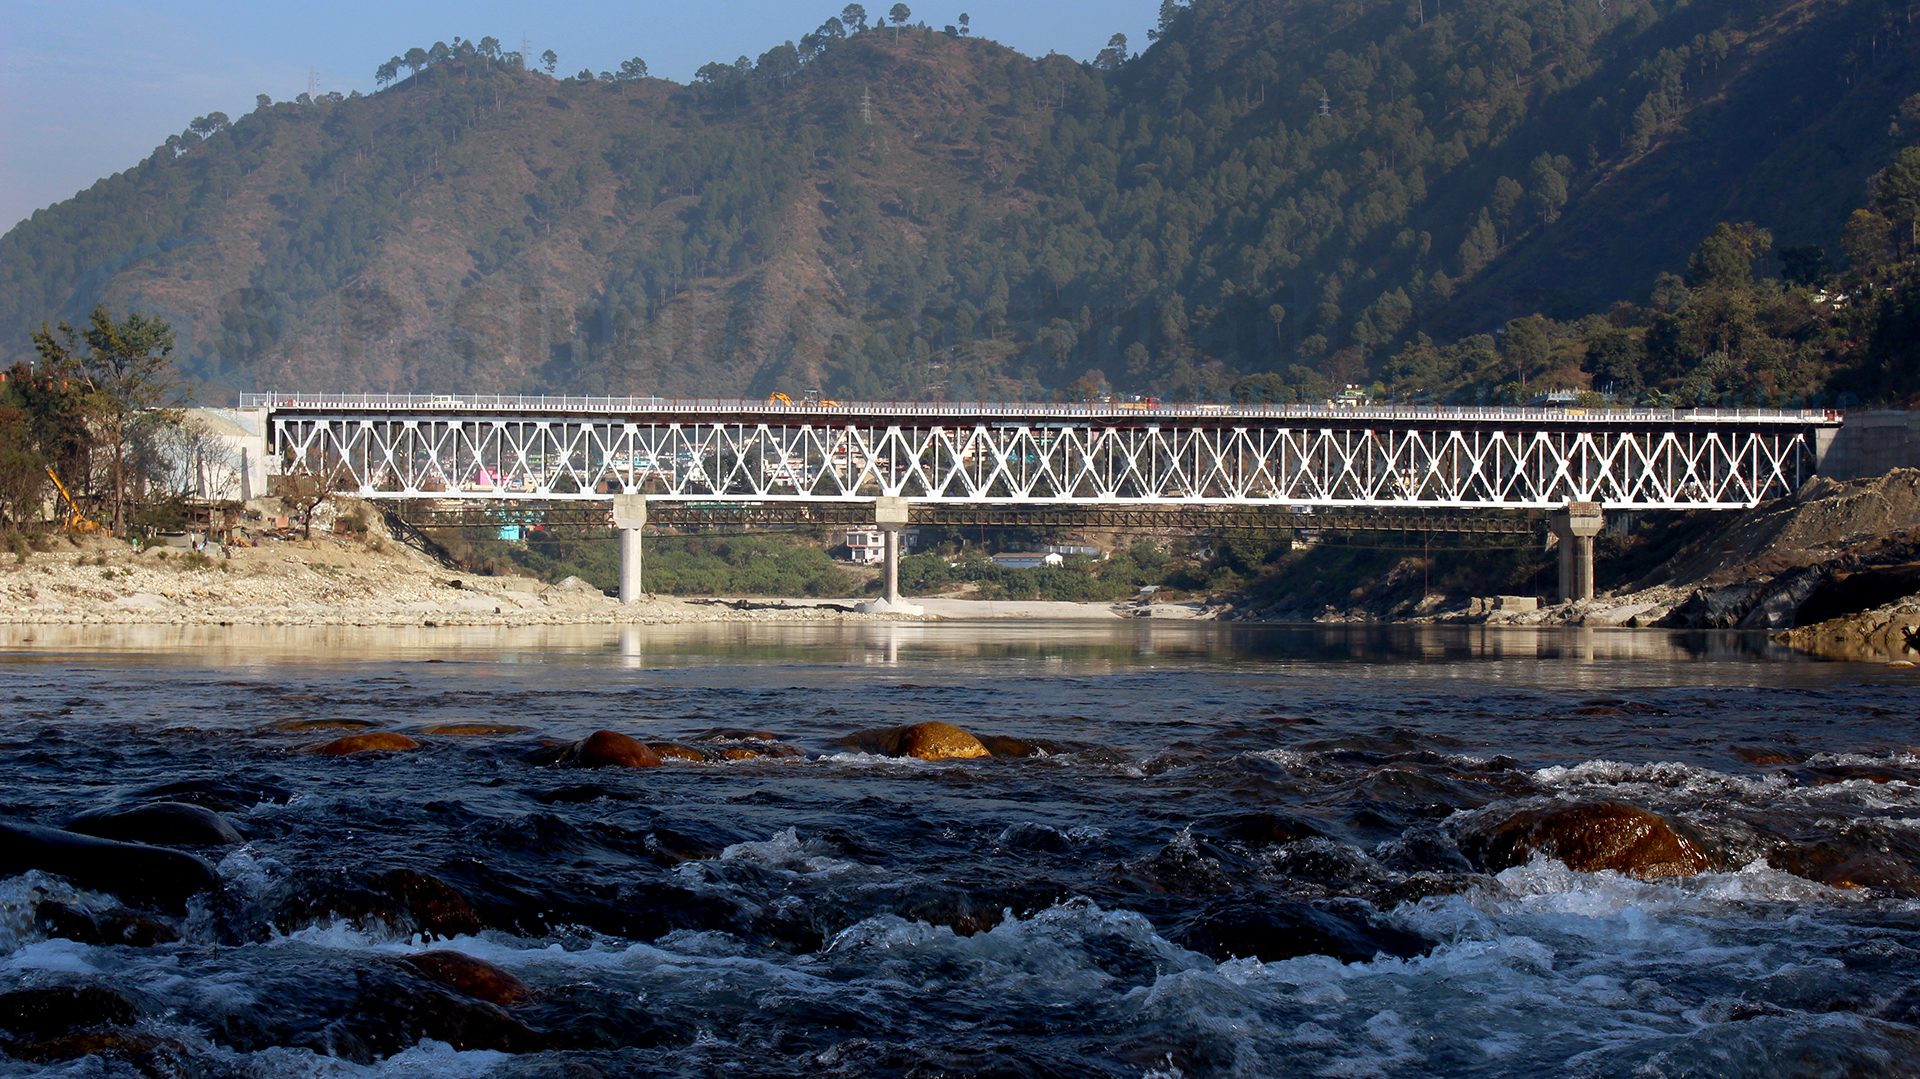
(1011, 410)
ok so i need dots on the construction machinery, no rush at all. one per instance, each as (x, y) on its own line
(811, 399)
(75, 521)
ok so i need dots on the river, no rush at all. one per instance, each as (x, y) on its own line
(1224, 850)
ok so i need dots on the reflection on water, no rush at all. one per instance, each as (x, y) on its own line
(1078, 647)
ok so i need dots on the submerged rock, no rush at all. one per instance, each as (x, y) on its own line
(610, 749)
(131, 871)
(1271, 930)
(937, 741)
(56, 1010)
(114, 927)
(150, 1055)
(163, 823)
(364, 743)
(674, 751)
(324, 724)
(472, 977)
(1588, 837)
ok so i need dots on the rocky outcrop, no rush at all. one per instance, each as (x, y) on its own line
(1887, 633)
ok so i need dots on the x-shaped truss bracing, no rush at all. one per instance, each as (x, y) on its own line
(1683, 465)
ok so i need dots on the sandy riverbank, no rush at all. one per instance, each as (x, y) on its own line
(349, 581)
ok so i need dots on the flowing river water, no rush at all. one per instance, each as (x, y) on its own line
(1219, 851)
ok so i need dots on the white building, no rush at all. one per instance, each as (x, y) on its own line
(867, 547)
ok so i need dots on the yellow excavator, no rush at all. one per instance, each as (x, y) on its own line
(75, 521)
(812, 399)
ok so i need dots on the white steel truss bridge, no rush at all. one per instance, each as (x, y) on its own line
(588, 449)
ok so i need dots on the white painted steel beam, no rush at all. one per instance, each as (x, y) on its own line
(1060, 455)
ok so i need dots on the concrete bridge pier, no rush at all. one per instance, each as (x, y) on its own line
(1576, 526)
(630, 516)
(890, 516)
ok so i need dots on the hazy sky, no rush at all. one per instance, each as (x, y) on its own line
(90, 87)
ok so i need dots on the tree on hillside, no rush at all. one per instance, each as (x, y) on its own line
(966, 24)
(1896, 194)
(490, 48)
(1524, 347)
(125, 368)
(631, 70)
(1115, 54)
(1865, 239)
(415, 59)
(1725, 259)
(549, 60)
(1803, 265)
(854, 18)
(898, 15)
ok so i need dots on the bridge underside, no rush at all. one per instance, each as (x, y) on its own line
(587, 517)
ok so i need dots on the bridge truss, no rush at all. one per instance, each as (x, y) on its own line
(985, 455)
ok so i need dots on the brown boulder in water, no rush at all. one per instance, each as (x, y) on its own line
(1588, 837)
(604, 749)
(468, 976)
(363, 743)
(936, 741)
(676, 751)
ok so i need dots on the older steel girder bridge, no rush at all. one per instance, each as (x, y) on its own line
(1120, 455)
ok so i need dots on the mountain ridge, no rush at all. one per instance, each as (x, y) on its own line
(1291, 191)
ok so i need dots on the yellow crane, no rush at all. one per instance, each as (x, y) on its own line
(75, 520)
(778, 398)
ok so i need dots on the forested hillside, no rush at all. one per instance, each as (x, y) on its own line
(1274, 198)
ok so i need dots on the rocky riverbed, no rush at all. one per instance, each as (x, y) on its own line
(1833, 570)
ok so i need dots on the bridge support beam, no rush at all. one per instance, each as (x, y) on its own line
(890, 516)
(1575, 527)
(630, 516)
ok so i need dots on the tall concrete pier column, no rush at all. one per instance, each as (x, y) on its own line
(891, 537)
(1576, 526)
(630, 516)
(890, 516)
